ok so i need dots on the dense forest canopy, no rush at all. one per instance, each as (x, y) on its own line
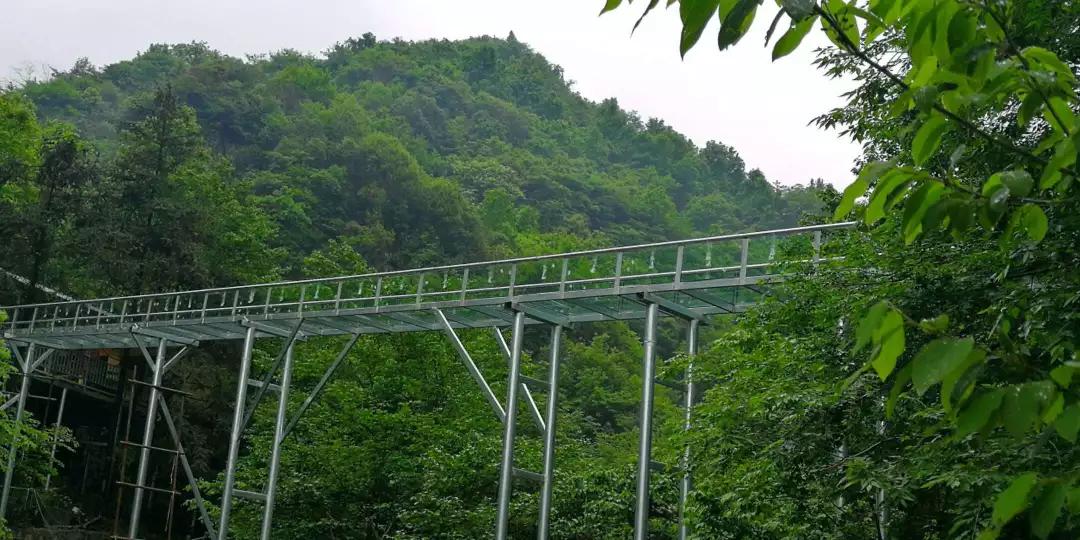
(185, 168)
(411, 153)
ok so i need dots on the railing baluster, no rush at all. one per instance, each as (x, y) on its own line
(564, 274)
(618, 269)
(679, 254)
(378, 292)
(464, 284)
(513, 280)
(742, 257)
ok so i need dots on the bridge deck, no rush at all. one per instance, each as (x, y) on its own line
(699, 277)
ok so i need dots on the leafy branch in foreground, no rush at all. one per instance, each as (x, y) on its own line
(985, 123)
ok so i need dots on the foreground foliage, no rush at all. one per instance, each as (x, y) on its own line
(967, 110)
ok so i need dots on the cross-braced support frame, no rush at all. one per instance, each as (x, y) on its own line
(283, 425)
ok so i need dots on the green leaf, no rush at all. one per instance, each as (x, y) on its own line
(1021, 409)
(610, 5)
(734, 25)
(1068, 422)
(928, 139)
(1074, 500)
(892, 185)
(899, 382)
(1059, 115)
(1019, 182)
(1062, 375)
(695, 15)
(1047, 59)
(869, 324)
(1047, 507)
(890, 340)
(1063, 158)
(1030, 220)
(978, 412)
(870, 172)
(1030, 105)
(954, 386)
(1014, 499)
(845, 20)
(1054, 409)
(916, 207)
(792, 38)
(799, 9)
(648, 8)
(937, 359)
(925, 72)
(936, 325)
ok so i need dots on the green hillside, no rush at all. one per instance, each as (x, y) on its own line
(410, 153)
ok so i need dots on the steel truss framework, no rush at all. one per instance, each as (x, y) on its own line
(690, 280)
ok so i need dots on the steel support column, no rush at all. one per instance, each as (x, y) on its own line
(641, 510)
(506, 473)
(59, 419)
(148, 439)
(279, 437)
(24, 366)
(549, 435)
(687, 482)
(234, 438)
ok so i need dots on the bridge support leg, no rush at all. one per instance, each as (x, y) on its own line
(234, 437)
(549, 435)
(148, 439)
(506, 473)
(687, 481)
(641, 510)
(59, 419)
(279, 437)
(25, 365)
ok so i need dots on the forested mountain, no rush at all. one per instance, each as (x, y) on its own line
(185, 168)
(411, 153)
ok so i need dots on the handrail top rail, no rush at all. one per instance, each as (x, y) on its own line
(442, 268)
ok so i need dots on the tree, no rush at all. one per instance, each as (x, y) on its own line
(174, 217)
(975, 135)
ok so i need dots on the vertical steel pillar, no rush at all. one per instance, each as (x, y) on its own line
(24, 390)
(234, 437)
(641, 511)
(279, 437)
(148, 439)
(687, 482)
(506, 474)
(549, 435)
(59, 418)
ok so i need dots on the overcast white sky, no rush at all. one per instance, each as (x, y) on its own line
(737, 96)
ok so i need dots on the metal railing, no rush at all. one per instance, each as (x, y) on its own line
(672, 262)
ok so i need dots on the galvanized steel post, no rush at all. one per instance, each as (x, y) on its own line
(24, 390)
(641, 511)
(234, 441)
(549, 435)
(506, 473)
(148, 439)
(687, 483)
(279, 437)
(59, 418)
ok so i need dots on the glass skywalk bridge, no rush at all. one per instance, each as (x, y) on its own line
(703, 276)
